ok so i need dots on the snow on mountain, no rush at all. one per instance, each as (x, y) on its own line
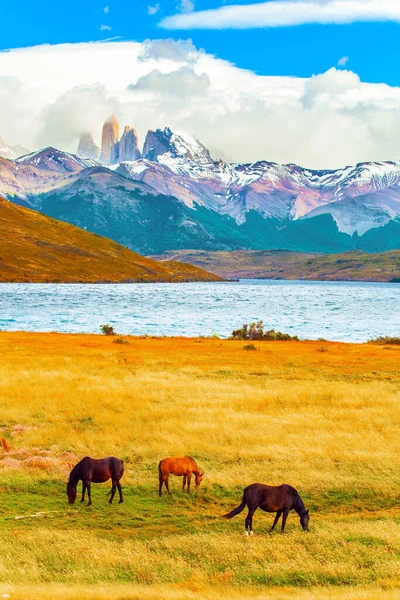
(274, 198)
(182, 166)
(51, 159)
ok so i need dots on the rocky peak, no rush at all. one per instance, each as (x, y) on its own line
(163, 141)
(110, 142)
(87, 147)
(129, 145)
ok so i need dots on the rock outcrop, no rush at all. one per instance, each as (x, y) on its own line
(87, 147)
(129, 146)
(110, 142)
(156, 143)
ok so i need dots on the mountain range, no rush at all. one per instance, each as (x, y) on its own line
(174, 195)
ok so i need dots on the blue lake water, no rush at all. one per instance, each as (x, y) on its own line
(332, 310)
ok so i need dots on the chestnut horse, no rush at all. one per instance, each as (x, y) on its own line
(280, 499)
(185, 467)
(93, 470)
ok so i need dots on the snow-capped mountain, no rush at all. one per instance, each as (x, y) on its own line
(10, 152)
(51, 159)
(282, 192)
(192, 201)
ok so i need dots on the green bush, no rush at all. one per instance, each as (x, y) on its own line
(120, 340)
(386, 340)
(107, 330)
(255, 331)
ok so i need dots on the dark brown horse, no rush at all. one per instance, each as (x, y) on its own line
(280, 499)
(93, 470)
(185, 467)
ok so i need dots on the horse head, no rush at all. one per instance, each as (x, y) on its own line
(304, 520)
(199, 477)
(71, 493)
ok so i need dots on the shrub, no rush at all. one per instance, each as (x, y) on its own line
(107, 330)
(386, 340)
(249, 347)
(120, 340)
(255, 331)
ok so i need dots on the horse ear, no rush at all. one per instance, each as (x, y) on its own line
(202, 474)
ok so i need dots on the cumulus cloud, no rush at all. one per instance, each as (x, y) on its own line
(286, 13)
(182, 83)
(326, 121)
(182, 51)
(105, 28)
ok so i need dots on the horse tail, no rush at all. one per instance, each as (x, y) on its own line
(159, 469)
(238, 509)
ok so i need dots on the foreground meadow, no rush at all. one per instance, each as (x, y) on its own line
(321, 416)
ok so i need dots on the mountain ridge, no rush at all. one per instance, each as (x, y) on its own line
(38, 249)
(188, 200)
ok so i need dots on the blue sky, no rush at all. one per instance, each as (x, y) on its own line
(312, 82)
(372, 49)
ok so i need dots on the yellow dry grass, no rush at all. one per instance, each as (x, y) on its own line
(323, 417)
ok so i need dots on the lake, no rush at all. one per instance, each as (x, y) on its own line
(333, 310)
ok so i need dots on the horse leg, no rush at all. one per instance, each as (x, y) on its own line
(113, 490)
(89, 492)
(249, 522)
(120, 492)
(83, 491)
(278, 514)
(184, 482)
(166, 484)
(160, 483)
(285, 516)
(189, 478)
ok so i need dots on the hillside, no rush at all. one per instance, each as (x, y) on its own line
(38, 249)
(347, 266)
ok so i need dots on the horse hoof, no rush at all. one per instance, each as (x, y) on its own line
(246, 533)
(251, 532)
(120, 502)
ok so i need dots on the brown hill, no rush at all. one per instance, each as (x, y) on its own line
(275, 264)
(35, 248)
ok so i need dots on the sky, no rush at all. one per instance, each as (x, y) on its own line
(314, 82)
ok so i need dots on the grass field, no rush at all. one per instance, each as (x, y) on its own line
(321, 416)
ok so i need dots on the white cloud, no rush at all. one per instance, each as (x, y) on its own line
(105, 28)
(342, 62)
(106, 9)
(186, 6)
(286, 13)
(327, 121)
(153, 10)
(181, 84)
(170, 50)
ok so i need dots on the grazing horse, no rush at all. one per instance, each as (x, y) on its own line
(93, 470)
(280, 499)
(185, 467)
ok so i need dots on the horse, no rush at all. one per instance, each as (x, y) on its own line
(280, 499)
(93, 470)
(185, 467)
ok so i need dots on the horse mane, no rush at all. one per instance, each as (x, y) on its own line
(298, 503)
(77, 466)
